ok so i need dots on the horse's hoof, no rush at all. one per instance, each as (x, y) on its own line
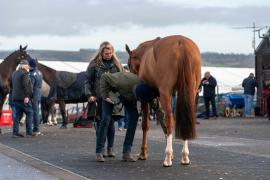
(167, 165)
(142, 157)
(63, 127)
(185, 163)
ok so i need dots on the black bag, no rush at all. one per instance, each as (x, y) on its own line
(91, 110)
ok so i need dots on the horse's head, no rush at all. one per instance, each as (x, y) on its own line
(7, 68)
(18, 55)
(133, 61)
(21, 54)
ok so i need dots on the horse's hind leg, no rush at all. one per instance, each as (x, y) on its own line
(185, 154)
(145, 128)
(165, 100)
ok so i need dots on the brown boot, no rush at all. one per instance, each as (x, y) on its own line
(110, 152)
(99, 157)
(128, 157)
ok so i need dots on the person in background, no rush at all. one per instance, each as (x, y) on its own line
(249, 84)
(266, 94)
(105, 61)
(1, 89)
(36, 79)
(22, 93)
(209, 84)
(120, 124)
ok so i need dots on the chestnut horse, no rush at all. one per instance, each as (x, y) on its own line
(50, 76)
(168, 64)
(7, 67)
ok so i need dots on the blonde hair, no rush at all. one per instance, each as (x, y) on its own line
(24, 67)
(97, 58)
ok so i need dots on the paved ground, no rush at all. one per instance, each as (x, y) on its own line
(224, 149)
(12, 169)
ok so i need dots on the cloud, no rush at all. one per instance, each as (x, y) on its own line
(72, 17)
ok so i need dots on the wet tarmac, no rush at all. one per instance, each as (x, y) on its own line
(225, 149)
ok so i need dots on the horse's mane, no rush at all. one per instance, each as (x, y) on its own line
(10, 55)
(144, 46)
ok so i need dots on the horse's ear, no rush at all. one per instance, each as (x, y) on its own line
(24, 48)
(128, 50)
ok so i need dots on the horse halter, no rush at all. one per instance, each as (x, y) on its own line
(22, 55)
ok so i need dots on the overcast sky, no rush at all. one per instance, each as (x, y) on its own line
(75, 24)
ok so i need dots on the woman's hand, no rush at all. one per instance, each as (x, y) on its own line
(26, 100)
(91, 99)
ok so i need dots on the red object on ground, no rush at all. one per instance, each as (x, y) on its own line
(6, 118)
(83, 126)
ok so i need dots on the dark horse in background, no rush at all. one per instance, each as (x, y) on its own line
(7, 67)
(168, 64)
(65, 88)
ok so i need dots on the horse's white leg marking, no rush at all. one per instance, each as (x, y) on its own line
(50, 120)
(169, 152)
(54, 120)
(185, 153)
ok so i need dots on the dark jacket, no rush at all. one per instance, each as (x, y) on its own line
(122, 82)
(36, 79)
(208, 89)
(21, 85)
(93, 75)
(249, 85)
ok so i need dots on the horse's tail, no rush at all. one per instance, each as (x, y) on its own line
(185, 102)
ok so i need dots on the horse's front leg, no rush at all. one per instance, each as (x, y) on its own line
(62, 107)
(145, 128)
(165, 100)
(185, 154)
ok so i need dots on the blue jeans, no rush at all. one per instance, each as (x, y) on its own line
(106, 125)
(126, 118)
(111, 129)
(21, 108)
(248, 104)
(36, 120)
(120, 122)
(13, 109)
(133, 116)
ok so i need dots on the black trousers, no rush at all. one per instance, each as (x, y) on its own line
(207, 101)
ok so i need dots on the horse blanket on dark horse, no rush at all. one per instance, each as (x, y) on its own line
(68, 87)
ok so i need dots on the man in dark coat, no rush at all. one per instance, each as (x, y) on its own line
(22, 93)
(209, 84)
(249, 85)
(36, 79)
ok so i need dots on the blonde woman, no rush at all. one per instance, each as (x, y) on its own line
(104, 61)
